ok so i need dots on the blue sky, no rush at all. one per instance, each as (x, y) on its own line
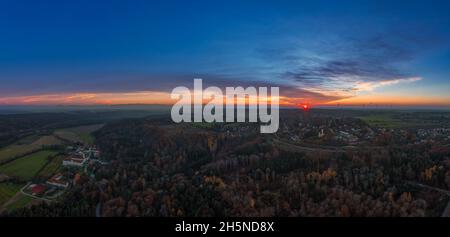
(316, 51)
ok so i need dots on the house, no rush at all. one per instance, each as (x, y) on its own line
(58, 180)
(74, 160)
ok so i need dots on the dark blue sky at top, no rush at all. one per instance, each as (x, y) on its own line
(72, 46)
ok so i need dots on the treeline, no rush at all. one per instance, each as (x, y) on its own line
(16, 126)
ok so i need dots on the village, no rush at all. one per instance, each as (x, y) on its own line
(350, 132)
(77, 159)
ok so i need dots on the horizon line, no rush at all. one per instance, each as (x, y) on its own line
(312, 106)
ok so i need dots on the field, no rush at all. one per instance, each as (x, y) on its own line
(386, 121)
(81, 134)
(7, 190)
(22, 147)
(20, 202)
(27, 166)
(393, 120)
(27, 140)
(52, 167)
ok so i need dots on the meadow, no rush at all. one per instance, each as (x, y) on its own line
(385, 121)
(20, 202)
(394, 120)
(51, 167)
(7, 190)
(28, 166)
(80, 134)
(27, 145)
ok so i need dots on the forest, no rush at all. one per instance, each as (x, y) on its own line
(157, 168)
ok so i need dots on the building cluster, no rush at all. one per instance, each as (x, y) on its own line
(51, 189)
(77, 157)
(441, 134)
(80, 156)
(335, 131)
(351, 131)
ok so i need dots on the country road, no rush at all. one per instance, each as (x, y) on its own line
(309, 148)
(446, 212)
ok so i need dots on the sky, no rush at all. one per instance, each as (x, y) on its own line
(136, 52)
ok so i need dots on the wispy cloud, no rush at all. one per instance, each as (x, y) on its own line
(327, 71)
(345, 66)
(158, 93)
(148, 97)
(371, 85)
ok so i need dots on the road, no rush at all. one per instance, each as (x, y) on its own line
(317, 148)
(446, 212)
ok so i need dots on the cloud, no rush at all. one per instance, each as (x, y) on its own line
(322, 71)
(375, 59)
(139, 97)
(344, 66)
(371, 85)
(151, 89)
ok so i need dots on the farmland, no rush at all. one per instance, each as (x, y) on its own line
(395, 120)
(20, 202)
(22, 147)
(81, 134)
(7, 190)
(52, 167)
(32, 143)
(386, 121)
(27, 166)
(29, 143)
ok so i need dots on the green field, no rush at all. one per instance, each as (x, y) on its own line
(27, 140)
(52, 167)
(386, 121)
(7, 190)
(22, 147)
(390, 121)
(27, 166)
(21, 202)
(82, 134)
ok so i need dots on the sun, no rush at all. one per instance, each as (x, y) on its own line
(305, 107)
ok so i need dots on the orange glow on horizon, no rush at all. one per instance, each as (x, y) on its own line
(144, 97)
(158, 97)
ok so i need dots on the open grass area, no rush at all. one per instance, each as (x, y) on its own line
(27, 140)
(52, 167)
(82, 134)
(27, 166)
(21, 147)
(391, 121)
(386, 121)
(20, 202)
(7, 190)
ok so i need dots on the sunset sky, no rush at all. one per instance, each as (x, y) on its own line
(133, 52)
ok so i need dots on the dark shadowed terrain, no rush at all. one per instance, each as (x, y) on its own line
(320, 163)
